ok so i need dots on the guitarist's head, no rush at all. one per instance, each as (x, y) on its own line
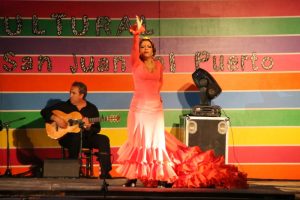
(78, 92)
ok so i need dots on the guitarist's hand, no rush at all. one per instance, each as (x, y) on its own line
(59, 121)
(87, 124)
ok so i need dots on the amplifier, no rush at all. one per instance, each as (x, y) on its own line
(61, 168)
(206, 132)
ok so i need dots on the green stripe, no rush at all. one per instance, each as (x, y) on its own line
(248, 117)
(172, 118)
(34, 120)
(175, 27)
(230, 26)
(264, 117)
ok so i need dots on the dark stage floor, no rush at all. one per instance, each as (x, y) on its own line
(86, 188)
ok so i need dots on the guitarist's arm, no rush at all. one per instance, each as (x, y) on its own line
(49, 117)
(59, 121)
(94, 128)
(87, 125)
(91, 112)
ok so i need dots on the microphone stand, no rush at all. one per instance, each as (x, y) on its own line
(81, 126)
(8, 172)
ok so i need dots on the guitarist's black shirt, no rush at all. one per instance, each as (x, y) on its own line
(89, 111)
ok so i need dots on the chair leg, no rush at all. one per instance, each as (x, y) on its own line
(91, 165)
(88, 156)
(81, 173)
(63, 156)
(88, 165)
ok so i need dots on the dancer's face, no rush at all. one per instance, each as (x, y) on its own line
(146, 49)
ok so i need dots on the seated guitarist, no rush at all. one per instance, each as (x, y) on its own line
(90, 137)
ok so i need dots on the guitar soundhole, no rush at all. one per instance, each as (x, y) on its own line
(71, 122)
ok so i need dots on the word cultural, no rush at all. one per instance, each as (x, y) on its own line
(102, 22)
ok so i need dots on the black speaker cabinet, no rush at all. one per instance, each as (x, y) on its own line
(61, 168)
(205, 132)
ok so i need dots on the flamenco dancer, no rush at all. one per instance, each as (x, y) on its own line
(152, 155)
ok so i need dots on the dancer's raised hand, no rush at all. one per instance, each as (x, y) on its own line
(139, 22)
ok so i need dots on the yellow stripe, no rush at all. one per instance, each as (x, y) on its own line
(264, 136)
(37, 137)
(255, 135)
(27, 138)
(117, 136)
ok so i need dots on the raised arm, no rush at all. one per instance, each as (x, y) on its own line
(136, 30)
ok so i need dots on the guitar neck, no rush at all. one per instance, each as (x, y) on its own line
(74, 120)
(94, 119)
(91, 120)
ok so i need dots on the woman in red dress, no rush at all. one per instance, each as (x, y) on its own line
(152, 155)
(144, 154)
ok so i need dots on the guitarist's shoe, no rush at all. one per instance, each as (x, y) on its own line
(105, 176)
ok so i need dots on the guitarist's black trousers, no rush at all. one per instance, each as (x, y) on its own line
(71, 141)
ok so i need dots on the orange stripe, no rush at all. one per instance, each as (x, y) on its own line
(291, 172)
(172, 82)
(62, 82)
(259, 81)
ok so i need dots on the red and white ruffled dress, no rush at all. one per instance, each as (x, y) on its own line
(150, 154)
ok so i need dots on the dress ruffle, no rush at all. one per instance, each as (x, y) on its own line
(193, 168)
(144, 164)
(196, 168)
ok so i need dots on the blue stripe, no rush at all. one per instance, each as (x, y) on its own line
(172, 100)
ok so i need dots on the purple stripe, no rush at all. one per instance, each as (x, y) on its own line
(68, 46)
(115, 46)
(235, 45)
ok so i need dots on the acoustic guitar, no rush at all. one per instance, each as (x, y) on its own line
(74, 119)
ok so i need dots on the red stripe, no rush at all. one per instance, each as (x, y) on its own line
(229, 8)
(61, 64)
(249, 154)
(79, 8)
(37, 155)
(264, 154)
(154, 9)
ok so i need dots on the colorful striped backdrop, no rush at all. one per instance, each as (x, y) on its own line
(251, 47)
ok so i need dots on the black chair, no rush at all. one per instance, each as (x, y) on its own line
(87, 156)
